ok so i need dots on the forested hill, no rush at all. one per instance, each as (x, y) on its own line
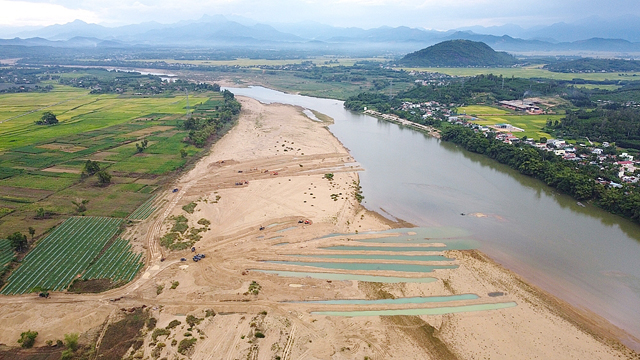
(457, 53)
(594, 65)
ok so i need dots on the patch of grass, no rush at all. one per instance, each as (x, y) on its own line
(160, 332)
(123, 335)
(190, 207)
(39, 182)
(90, 286)
(173, 324)
(181, 224)
(193, 321)
(186, 345)
(168, 239)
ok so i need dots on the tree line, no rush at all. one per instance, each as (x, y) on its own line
(469, 90)
(619, 124)
(201, 129)
(578, 181)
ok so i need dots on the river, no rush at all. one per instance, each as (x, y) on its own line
(583, 255)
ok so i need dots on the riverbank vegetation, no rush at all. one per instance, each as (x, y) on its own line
(583, 182)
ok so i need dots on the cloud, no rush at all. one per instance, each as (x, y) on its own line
(23, 13)
(439, 14)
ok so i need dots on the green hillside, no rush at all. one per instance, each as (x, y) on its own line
(458, 53)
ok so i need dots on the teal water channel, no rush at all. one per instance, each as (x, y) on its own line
(583, 255)
(286, 229)
(409, 234)
(460, 246)
(378, 257)
(349, 277)
(366, 266)
(409, 300)
(430, 311)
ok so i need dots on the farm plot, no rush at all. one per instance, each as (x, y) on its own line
(63, 255)
(144, 210)
(6, 254)
(118, 263)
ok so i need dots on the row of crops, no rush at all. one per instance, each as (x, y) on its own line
(144, 210)
(6, 254)
(118, 263)
(64, 255)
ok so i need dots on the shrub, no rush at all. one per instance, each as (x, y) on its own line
(185, 345)
(104, 178)
(71, 341)
(190, 207)
(254, 288)
(91, 167)
(66, 355)
(259, 334)
(193, 321)
(47, 118)
(173, 324)
(18, 241)
(28, 338)
(160, 332)
(175, 284)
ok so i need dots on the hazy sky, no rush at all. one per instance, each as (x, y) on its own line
(430, 14)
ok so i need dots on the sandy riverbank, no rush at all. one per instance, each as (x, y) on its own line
(539, 326)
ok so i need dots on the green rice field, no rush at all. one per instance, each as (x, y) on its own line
(40, 166)
(63, 255)
(78, 112)
(482, 110)
(144, 210)
(532, 124)
(118, 263)
(6, 254)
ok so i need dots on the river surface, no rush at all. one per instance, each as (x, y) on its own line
(582, 255)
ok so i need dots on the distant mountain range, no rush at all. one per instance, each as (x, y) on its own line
(592, 35)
